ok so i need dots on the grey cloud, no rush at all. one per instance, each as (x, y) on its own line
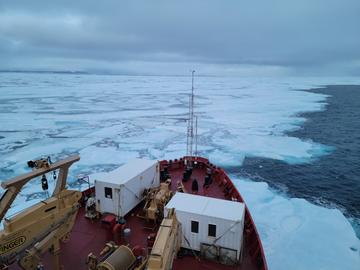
(277, 36)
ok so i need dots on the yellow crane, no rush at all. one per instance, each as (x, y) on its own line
(41, 227)
(166, 245)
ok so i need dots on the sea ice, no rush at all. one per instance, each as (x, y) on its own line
(297, 234)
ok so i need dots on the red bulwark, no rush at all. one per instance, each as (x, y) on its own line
(91, 236)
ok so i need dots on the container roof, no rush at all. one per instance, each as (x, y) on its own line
(126, 172)
(207, 206)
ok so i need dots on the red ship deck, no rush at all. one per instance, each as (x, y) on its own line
(91, 236)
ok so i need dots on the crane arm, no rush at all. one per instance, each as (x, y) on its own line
(60, 231)
(14, 186)
(40, 227)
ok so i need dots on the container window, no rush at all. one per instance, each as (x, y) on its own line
(194, 226)
(212, 230)
(108, 192)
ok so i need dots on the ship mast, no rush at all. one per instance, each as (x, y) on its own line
(190, 128)
(196, 136)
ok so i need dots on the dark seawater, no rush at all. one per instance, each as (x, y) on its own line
(332, 180)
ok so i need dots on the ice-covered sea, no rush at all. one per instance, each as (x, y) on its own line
(110, 119)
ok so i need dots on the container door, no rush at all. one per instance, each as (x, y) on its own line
(107, 203)
(194, 238)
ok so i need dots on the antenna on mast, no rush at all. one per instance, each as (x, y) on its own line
(190, 128)
(196, 136)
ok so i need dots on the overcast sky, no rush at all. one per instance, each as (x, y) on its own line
(268, 37)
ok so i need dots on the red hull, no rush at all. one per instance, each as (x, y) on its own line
(90, 236)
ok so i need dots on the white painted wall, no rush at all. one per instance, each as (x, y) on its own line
(127, 193)
(230, 230)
